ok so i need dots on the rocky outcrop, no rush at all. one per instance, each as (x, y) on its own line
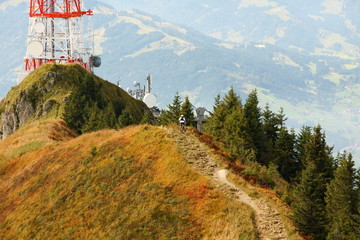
(15, 118)
(28, 104)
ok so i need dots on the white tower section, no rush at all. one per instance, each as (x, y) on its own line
(56, 35)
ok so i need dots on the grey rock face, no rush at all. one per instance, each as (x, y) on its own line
(17, 115)
(30, 103)
(47, 107)
(15, 118)
(9, 123)
(24, 111)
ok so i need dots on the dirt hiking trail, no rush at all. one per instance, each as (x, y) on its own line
(267, 219)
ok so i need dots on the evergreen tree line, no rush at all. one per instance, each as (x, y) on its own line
(87, 110)
(175, 110)
(324, 190)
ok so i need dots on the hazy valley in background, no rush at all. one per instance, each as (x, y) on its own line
(302, 56)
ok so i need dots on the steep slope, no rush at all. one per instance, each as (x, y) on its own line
(301, 56)
(69, 92)
(128, 184)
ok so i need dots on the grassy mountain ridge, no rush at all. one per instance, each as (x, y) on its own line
(132, 184)
(310, 69)
(56, 82)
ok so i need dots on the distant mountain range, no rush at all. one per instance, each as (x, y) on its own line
(311, 25)
(302, 56)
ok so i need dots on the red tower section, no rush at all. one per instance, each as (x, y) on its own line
(56, 35)
(57, 8)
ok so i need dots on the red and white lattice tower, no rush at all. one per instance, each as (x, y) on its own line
(56, 35)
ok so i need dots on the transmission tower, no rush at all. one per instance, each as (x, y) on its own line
(56, 35)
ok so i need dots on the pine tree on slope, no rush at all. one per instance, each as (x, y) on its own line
(237, 139)
(215, 123)
(302, 139)
(285, 155)
(222, 110)
(271, 123)
(309, 205)
(188, 112)
(125, 119)
(232, 101)
(253, 117)
(318, 152)
(172, 115)
(341, 199)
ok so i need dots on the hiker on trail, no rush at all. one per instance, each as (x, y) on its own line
(182, 122)
(182, 119)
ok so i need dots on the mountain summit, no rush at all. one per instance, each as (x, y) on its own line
(82, 99)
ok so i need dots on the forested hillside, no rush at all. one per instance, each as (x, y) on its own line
(322, 189)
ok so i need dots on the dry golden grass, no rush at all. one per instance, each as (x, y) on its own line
(128, 184)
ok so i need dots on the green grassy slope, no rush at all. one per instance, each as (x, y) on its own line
(53, 83)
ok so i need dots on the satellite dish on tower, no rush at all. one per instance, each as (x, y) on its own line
(35, 48)
(96, 61)
(39, 27)
(150, 100)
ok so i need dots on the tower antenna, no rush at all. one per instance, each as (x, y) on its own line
(56, 35)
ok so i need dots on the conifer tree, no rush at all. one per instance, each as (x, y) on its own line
(230, 106)
(162, 119)
(253, 117)
(171, 115)
(108, 116)
(237, 139)
(271, 123)
(125, 119)
(95, 119)
(74, 111)
(342, 199)
(215, 123)
(302, 139)
(232, 101)
(175, 108)
(217, 101)
(285, 155)
(188, 112)
(281, 118)
(146, 118)
(319, 153)
(309, 205)
(82, 102)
